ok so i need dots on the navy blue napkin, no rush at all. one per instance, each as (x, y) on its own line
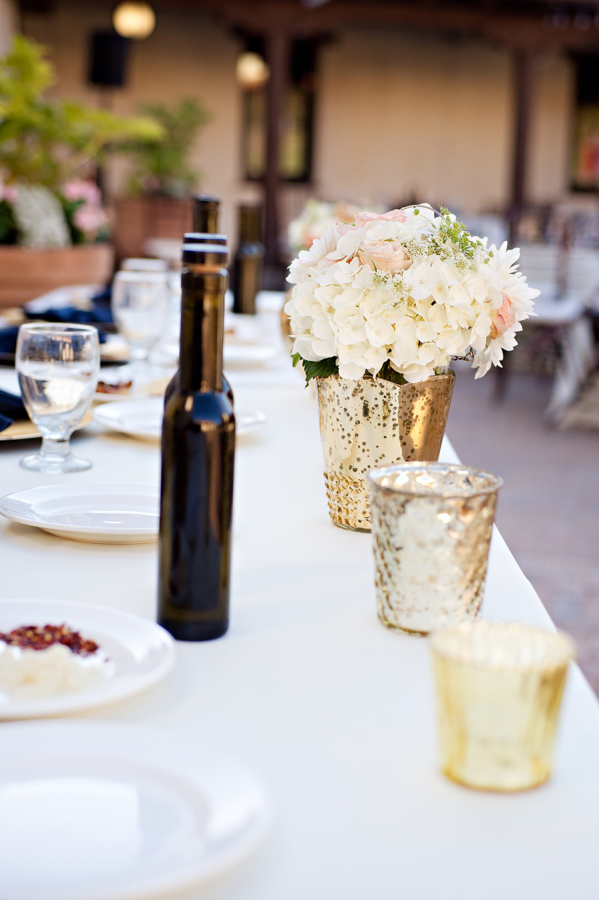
(8, 339)
(98, 316)
(11, 408)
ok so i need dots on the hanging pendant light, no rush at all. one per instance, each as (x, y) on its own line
(134, 20)
(251, 70)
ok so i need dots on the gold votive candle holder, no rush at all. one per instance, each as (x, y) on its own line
(499, 690)
(431, 527)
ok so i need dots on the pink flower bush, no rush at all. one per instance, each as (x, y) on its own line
(8, 192)
(90, 217)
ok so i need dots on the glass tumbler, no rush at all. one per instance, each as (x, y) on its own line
(499, 689)
(139, 306)
(431, 528)
(57, 367)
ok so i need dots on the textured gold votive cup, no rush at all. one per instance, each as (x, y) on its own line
(431, 527)
(499, 689)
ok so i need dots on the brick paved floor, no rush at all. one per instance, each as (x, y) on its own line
(548, 509)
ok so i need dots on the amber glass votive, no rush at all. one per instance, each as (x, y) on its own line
(499, 689)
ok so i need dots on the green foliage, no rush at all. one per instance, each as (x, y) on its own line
(43, 141)
(8, 226)
(321, 369)
(325, 367)
(389, 374)
(458, 235)
(70, 207)
(161, 166)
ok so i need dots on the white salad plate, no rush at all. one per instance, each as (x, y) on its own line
(119, 513)
(141, 418)
(140, 653)
(106, 811)
(144, 418)
(235, 356)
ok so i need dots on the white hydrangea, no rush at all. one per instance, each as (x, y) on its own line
(409, 287)
(40, 218)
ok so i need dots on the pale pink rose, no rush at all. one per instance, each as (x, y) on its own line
(502, 318)
(386, 256)
(396, 215)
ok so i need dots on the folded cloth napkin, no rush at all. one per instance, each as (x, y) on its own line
(8, 339)
(98, 315)
(11, 408)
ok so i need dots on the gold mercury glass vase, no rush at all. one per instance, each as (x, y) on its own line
(373, 422)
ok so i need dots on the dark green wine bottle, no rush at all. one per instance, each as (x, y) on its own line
(205, 213)
(198, 455)
(193, 237)
(249, 261)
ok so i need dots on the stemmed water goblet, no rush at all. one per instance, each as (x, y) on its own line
(139, 306)
(57, 367)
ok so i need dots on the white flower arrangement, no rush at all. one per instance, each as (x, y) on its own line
(399, 295)
(314, 219)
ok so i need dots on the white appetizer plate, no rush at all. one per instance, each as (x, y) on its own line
(104, 811)
(235, 356)
(119, 513)
(144, 418)
(141, 652)
(141, 418)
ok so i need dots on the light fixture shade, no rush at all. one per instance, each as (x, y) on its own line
(251, 70)
(134, 20)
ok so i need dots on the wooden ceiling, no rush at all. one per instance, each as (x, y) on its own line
(525, 24)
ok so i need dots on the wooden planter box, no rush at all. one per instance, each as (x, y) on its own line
(26, 274)
(139, 218)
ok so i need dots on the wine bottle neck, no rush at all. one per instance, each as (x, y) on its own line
(202, 325)
(249, 225)
(205, 215)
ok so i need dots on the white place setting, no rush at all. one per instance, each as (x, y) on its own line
(120, 812)
(113, 513)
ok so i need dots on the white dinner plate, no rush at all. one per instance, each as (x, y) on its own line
(143, 419)
(141, 653)
(106, 811)
(119, 513)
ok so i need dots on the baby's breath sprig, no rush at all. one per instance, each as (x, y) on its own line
(394, 283)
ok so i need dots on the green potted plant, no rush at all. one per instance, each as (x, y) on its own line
(53, 228)
(158, 202)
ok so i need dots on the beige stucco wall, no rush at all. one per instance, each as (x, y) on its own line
(398, 114)
(404, 115)
(8, 23)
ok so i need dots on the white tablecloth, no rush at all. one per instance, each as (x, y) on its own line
(333, 710)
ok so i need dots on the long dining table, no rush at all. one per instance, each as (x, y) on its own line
(334, 712)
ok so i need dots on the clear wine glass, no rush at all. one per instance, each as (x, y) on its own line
(58, 372)
(139, 306)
